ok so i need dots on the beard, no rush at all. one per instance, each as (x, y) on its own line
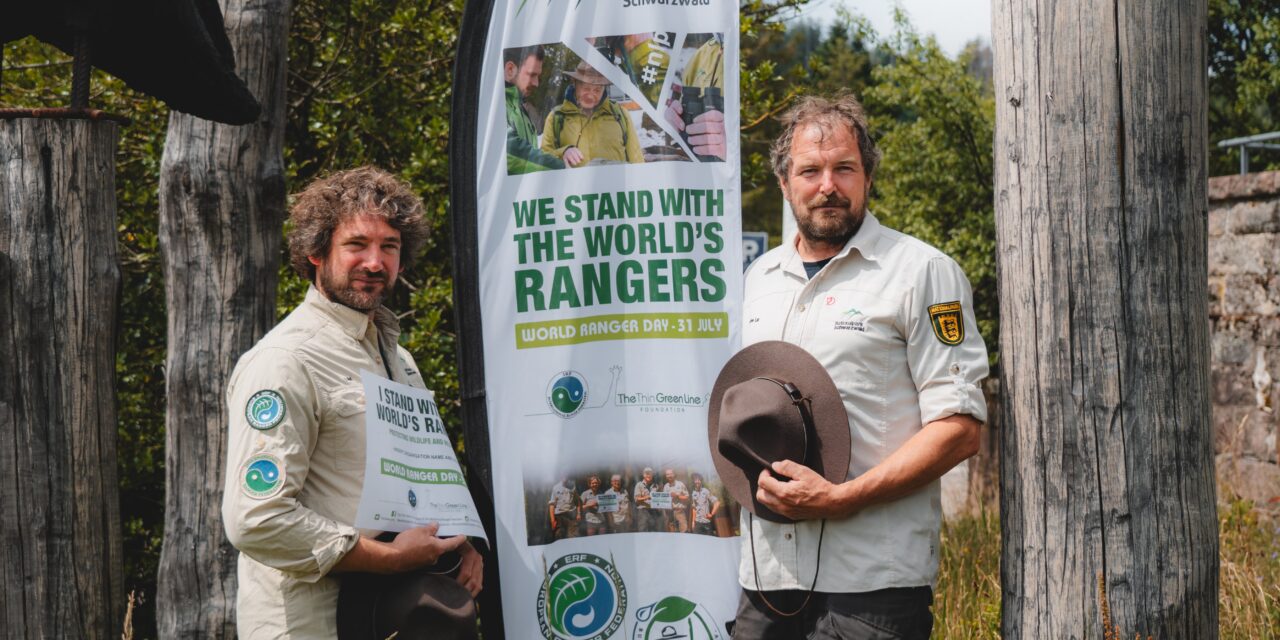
(346, 291)
(829, 228)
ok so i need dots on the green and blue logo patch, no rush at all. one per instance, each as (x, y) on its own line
(262, 476)
(567, 393)
(582, 598)
(264, 410)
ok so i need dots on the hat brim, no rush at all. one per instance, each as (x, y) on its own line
(785, 362)
(597, 80)
(413, 605)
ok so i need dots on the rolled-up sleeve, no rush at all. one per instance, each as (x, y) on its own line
(945, 351)
(274, 409)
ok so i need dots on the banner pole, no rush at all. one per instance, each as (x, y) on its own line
(467, 70)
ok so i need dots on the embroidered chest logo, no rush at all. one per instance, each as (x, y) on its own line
(948, 324)
(851, 319)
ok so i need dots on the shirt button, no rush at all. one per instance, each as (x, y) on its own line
(800, 308)
(786, 536)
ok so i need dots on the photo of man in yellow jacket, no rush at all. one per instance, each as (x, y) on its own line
(588, 127)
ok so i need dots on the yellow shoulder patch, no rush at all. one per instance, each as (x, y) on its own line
(948, 323)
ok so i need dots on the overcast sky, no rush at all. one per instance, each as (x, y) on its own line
(953, 22)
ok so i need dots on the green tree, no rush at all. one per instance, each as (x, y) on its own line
(935, 122)
(1244, 79)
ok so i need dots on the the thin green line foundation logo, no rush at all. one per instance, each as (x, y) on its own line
(567, 393)
(675, 617)
(582, 598)
(264, 410)
(262, 476)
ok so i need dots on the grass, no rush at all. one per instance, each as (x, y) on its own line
(967, 603)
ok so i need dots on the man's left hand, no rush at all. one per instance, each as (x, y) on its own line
(808, 496)
(471, 573)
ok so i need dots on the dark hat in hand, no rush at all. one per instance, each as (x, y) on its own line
(416, 605)
(774, 401)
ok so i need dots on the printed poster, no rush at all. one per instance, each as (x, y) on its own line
(411, 476)
(610, 252)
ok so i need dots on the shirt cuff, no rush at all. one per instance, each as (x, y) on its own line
(952, 398)
(329, 551)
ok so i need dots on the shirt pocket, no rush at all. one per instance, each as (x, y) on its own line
(343, 437)
(765, 316)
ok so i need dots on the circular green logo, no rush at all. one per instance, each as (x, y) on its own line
(264, 410)
(567, 393)
(262, 476)
(582, 598)
(675, 617)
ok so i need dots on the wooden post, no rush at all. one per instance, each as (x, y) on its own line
(61, 569)
(1107, 466)
(222, 199)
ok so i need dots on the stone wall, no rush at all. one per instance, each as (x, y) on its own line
(1244, 312)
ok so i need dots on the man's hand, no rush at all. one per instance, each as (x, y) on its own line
(573, 157)
(706, 134)
(419, 546)
(807, 497)
(471, 572)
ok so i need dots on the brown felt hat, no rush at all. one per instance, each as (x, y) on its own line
(417, 605)
(774, 401)
(588, 74)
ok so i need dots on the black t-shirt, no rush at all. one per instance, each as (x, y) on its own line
(812, 268)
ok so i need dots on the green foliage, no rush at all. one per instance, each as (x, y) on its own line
(1249, 573)
(931, 116)
(1244, 80)
(370, 83)
(935, 125)
(967, 602)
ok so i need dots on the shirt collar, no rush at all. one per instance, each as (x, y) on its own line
(352, 322)
(866, 241)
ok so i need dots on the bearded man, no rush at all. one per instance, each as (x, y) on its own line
(891, 320)
(296, 446)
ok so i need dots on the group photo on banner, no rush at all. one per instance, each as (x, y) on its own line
(609, 259)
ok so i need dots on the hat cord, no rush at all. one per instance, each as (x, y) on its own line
(755, 570)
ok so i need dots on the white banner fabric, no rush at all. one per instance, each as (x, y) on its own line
(610, 260)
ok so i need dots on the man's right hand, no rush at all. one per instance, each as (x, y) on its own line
(706, 134)
(417, 547)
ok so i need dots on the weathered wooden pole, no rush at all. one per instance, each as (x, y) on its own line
(60, 566)
(1107, 465)
(222, 199)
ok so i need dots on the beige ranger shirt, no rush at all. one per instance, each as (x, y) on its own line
(295, 461)
(891, 319)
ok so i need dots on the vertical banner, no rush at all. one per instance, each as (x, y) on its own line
(607, 258)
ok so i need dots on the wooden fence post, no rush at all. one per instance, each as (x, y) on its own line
(61, 572)
(222, 200)
(1106, 452)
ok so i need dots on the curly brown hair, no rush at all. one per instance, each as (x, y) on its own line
(841, 109)
(327, 202)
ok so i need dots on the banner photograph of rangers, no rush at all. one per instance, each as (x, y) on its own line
(608, 243)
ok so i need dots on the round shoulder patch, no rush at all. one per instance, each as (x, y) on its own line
(264, 410)
(262, 476)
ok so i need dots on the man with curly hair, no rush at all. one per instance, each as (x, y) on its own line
(296, 446)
